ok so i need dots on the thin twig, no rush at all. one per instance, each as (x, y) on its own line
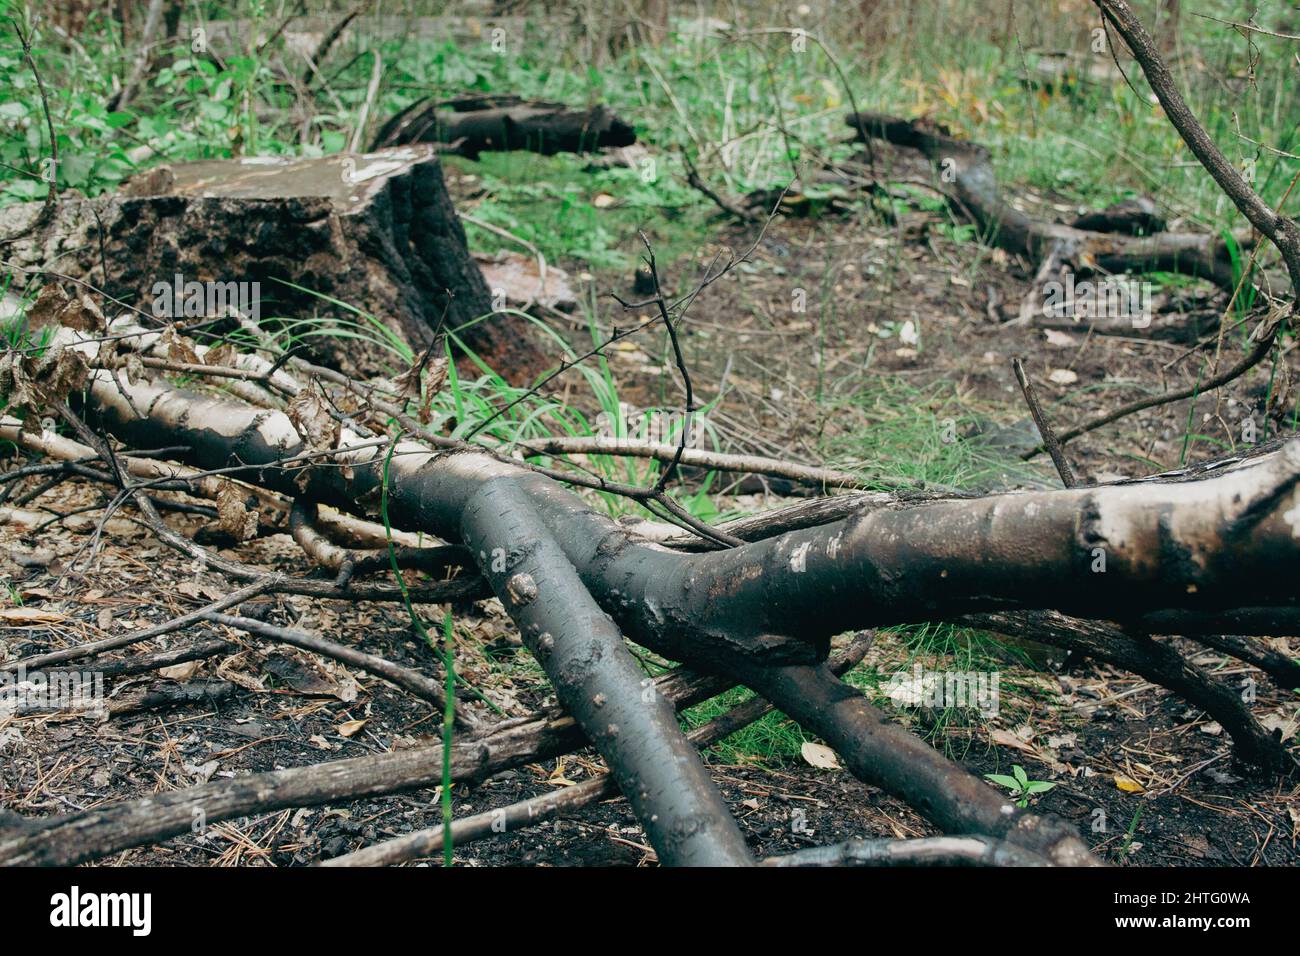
(47, 210)
(1044, 430)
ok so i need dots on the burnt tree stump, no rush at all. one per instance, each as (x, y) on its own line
(376, 231)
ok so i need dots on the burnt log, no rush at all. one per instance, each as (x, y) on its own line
(474, 125)
(1133, 217)
(1101, 243)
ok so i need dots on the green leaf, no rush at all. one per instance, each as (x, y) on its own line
(213, 111)
(1021, 776)
(1039, 786)
(25, 189)
(1003, 780)
(332, 140)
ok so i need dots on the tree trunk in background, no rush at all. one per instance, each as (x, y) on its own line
(1166, 30)
(651, 27)
(68, 15)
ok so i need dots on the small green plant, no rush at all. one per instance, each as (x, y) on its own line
(1021, 787)
(1127, 845)
(1243, 277)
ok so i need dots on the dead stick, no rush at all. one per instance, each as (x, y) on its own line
(965, 850)
(1044, 430)
(1266, 334)
(421, 686)
(158, 696)
(141, 663)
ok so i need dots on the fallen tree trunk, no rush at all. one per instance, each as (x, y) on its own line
(968, 179)
(474, 125)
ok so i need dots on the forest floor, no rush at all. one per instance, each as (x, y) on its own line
(1146, 779)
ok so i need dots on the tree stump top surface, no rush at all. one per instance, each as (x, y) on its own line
(349, 180)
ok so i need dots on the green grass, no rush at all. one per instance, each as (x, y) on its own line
(550, 202)
(752, 110)
(487, 408)
(775, 739)
(906, 432)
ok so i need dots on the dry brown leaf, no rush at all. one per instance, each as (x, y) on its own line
(189, 588)
(177, 348)
(54, 307)
(180, 671)
(432, 367)
(312, 420)
(1280, 721)
(233, 517)
(349, 728)
(223, 354)
(32, 381)
(1007, 738)
(819, 755)
(1126, 783)
(23, 616)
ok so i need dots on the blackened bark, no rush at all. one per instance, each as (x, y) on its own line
(598, 680)
(476, 125)
(1284, 670)
(967, 176)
